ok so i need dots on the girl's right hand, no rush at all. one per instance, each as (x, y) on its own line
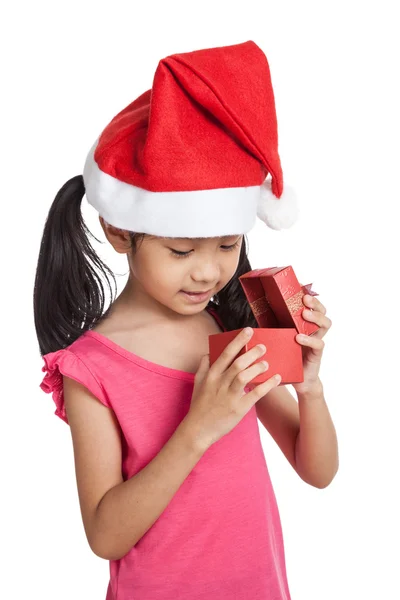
(218, 400)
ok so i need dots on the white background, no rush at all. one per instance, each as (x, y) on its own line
(67, 69)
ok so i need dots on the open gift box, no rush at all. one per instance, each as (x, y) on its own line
(276, 300)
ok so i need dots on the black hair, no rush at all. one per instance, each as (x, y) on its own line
(69, 294)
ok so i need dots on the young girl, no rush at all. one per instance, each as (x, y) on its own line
(173, 484)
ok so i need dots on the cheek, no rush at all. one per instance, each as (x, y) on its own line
(231, 265)
(157, 274)
(228, 269)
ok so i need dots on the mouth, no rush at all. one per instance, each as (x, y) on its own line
(197, 296)
(195, 293)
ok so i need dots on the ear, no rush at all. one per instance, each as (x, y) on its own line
(118, 238)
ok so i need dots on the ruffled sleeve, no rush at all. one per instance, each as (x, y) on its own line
(65, 362)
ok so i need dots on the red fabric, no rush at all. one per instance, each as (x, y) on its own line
(220, 537)
(208, 122)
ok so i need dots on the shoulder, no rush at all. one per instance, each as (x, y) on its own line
(75, 362)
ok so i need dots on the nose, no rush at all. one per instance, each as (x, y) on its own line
(207, 272)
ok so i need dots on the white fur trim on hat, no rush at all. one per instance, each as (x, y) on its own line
(277, 213)
(198, 213)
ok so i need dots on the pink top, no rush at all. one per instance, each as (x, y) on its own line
(220, 537)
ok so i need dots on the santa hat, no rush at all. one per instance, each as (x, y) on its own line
(197, 155)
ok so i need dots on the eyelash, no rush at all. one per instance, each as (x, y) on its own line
(178, 254)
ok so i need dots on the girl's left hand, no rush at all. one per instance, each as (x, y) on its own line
(312, 345)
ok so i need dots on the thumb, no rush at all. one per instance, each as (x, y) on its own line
(203, 367)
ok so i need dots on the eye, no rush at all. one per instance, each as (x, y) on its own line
(179, 254)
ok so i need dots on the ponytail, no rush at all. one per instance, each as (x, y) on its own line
(68, 296)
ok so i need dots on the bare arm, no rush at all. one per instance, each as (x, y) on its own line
(117, 513)
(304, 431)
(128, 510)
(317, 454)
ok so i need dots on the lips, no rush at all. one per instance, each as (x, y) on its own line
(204, 292)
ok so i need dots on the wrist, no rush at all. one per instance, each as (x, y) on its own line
(194, 441)
(312, 390)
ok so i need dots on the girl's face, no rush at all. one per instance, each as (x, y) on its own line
(164, 268)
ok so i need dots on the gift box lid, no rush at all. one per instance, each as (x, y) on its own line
(276, 298)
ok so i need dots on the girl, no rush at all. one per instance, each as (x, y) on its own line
(173, 485)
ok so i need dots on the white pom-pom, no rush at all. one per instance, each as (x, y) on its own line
(277, 213)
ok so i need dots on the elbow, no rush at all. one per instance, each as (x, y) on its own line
(324, 483)
(105, 540)
(320, 477)
(103, 549)
(99, 548)
(106, 549)
(98, 541)
(321, 485)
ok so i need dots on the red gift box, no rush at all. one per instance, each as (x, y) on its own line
(276, 299)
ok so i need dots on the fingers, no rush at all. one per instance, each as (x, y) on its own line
(240, 381)
(315, 316)
(203, 368)
(262, 389)
(204, 363)
(238, 369)
(313, 341)
(316, 313)
(226, 357)
(312, 302)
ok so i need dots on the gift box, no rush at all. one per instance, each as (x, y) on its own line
(276, 300)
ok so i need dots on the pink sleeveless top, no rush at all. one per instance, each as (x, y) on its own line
(220, 537)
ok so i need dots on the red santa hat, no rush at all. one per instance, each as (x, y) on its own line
(197, 155)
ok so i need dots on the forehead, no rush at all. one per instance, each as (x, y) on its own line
(200, 239)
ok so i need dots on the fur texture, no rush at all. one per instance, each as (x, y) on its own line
(277, 213)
